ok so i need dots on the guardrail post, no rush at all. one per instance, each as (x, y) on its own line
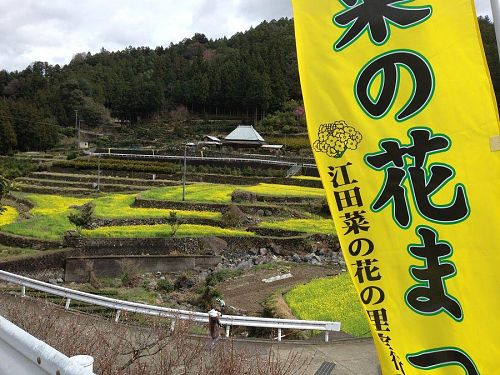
(172, 325)
(68, 301)
(279, 334)
(117, 317)
(23, 291)
(227, 330)
(327, 335)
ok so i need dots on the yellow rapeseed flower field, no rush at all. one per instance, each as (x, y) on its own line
(9, 215)
(330, 299)
(322, 226)
(118, 206)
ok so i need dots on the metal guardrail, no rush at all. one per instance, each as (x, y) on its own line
(208, 158)
(119, 306)
(21, 353)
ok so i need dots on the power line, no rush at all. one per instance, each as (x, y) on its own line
(28, 120)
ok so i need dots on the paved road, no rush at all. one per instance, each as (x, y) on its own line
(350, 357)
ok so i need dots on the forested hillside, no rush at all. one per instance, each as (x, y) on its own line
(250, 73)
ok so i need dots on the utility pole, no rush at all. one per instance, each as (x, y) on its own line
(99, 172)
(184, 170)
(77, 131)
(184, 175)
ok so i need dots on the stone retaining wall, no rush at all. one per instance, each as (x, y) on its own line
(176, 178)
(98, 222)
(13, 240)
(42, 262)
(79, 269)
(203, 245)
(255, 210)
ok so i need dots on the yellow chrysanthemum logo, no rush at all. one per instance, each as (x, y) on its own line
(336, 138)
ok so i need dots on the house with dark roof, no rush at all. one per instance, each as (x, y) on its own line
(244, 136)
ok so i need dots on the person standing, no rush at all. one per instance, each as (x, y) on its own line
(213, 325)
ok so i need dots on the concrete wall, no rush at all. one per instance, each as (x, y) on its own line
(78, 269)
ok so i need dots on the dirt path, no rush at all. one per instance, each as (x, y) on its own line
(248, 291)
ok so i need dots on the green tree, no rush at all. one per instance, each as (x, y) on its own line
(8, 138)
(82, 217)
(5, 187)
(174, 223)
(94, 114)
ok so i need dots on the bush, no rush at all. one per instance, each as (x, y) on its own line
(121, 165)
(71, 155)
(82, 217)
(174, 223)
(217, 277)
(206, 299)
(184, 282)
(12, 167)
(165, 285)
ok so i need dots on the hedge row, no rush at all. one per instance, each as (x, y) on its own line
(153, 166)
(120, 165)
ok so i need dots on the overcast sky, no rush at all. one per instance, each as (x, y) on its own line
(54, 30)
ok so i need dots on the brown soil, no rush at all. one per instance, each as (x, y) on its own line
(248, 291)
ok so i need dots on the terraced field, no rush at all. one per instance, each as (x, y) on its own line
(49, 218)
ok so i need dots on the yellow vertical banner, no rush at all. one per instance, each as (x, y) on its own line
(400, 112)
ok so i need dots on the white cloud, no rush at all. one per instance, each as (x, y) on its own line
(54, 30)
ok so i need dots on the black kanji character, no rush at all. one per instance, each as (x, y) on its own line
(348, 198)
(385, 339)
(355, 222)
(430, 295)
(424, 184)
(375, 16)
(344, 174)
(435, 358)
(379, 319)
(367, 295)
(389, 66)
(398, 365)
(366, 267)
(360, 244)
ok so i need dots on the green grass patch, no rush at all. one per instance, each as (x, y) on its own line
(330, 299)
(320, 226)
(219, 276)
(285, 191)
(215, 193)
(118, 206)
(138, 294)
(50, 217)
(8, 215)
(8, 253)
(163, 230)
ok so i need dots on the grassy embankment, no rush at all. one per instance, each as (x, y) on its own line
(218, 193)
(118, 206)
(330, 299)
(313, 225)
(50, 215)
(185, 230)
